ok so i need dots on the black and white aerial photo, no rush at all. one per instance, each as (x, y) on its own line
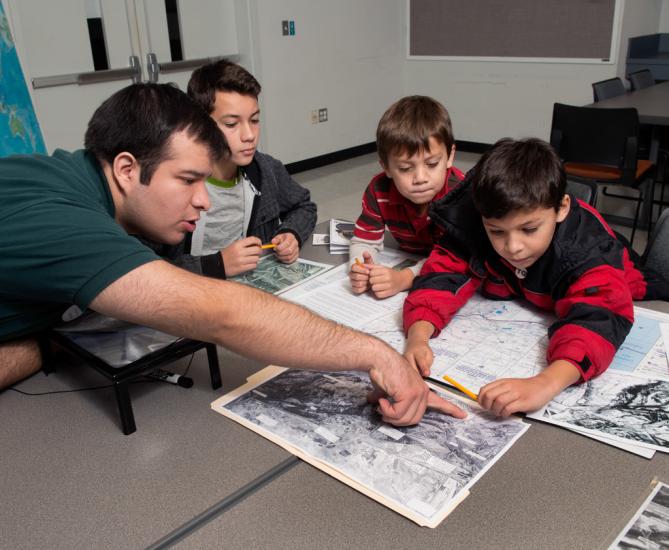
(649, 528)
(626, 407)
(421, 469)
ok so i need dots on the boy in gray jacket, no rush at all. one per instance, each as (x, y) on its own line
(254, 201)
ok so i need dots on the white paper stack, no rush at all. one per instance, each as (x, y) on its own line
(340, 236)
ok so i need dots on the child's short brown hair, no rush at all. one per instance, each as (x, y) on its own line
(220, 76)
(518, 175)
(408, 125)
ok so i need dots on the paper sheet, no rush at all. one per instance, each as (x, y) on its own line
(420, 471)
(331, 296)
(489, 339)
(622, 407)
(275, 277)
(340, 236)
(649, 528)
(643, 352)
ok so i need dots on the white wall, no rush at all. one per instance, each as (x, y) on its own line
(490, 100)
(346, 55)
(664, 17)
(51, 38)
(349, 56)
(640, 17)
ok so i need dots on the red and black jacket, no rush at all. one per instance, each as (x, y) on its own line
(586, 277)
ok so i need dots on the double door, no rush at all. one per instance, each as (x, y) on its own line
(76, 53)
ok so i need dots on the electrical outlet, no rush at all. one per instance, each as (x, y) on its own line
(285, 29)
(314, 116)
(323, 114)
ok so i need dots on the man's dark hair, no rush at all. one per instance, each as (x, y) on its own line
(142, 118)
(408, 125)
(518, 175)
(220, 76)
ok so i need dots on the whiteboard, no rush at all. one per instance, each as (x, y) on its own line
(559, 31)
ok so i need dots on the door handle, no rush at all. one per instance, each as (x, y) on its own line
(133, 72)
(154, 68)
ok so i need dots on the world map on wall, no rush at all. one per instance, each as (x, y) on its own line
(19, 129)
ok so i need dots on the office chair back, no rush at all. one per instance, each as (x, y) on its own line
(584, 190)
(641, 79)
(601, 146)
(604, 137)
(656, 255)
(605, 89)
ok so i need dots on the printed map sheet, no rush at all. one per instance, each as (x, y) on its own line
(491, 339)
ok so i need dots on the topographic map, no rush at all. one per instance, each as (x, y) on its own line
(489, 339)
(486, 340)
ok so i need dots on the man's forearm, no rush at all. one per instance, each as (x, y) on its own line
(238, 317)
(272, 329)
(264, 327)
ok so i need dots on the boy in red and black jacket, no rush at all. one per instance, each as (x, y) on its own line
(511, 231)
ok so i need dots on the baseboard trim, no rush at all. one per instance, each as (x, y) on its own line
(331, 158)
(365, 149)
(471, 147)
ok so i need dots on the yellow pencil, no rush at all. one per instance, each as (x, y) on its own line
(266, 246)
(461, 387)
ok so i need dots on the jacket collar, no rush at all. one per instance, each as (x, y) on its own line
(456, 215)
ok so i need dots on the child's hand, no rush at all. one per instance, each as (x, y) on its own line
(241, 256)
(506, 396)
(287, 248)
(386, 282)
(359, 274)
(417, 350)
(509, 395)
(420, 356)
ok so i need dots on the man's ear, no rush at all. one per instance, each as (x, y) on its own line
(126, 170)
(564, 208)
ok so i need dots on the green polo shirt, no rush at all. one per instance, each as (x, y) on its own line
(59, 243)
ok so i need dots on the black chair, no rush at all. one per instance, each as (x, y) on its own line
(585, 190)
(641, 79)
(600, 145)
(638, 81)
(605, 89)
(123, 352)
(656, 255)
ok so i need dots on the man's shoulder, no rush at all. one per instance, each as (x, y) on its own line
(59, 159)
(70, 177)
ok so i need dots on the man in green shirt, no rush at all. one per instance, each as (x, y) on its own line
(68, 221)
